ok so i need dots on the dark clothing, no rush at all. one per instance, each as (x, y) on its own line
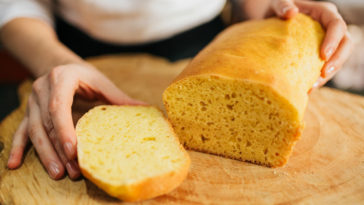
(184, 45)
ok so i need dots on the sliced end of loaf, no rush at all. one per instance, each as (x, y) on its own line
(131, 152)
(239, 119)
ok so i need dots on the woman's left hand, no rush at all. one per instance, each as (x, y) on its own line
(336, 46)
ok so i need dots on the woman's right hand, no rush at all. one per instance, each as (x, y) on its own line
(48, 120)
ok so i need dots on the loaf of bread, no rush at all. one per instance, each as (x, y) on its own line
(131, 152)
(245, 94)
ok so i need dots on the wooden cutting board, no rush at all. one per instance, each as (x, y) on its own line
(326, 167)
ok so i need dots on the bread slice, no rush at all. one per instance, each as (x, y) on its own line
(245, 94)
(131, 152)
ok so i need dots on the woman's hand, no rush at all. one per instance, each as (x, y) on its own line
(336, 46)
(48, 120)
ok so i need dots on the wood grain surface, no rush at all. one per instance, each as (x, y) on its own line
(326, 167)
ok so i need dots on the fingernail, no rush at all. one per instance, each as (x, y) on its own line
(285, 9)
(329, 71)
(68, 148)
(69, 167)
(11, 161)
(73, 169)
(328, 53)
(53, 169)
(72, 165)
(316, 84)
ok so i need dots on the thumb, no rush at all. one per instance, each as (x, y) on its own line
(284, 8)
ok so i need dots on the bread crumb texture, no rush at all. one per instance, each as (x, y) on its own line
(130, 151)
(244, 95)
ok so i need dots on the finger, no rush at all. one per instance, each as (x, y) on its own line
(41, 93)
(331, 20)
(284, 8)
(20, 140)
(59, 106)
(41, 90)
(73, 169)
(338, 59)
(71, 165)
(335, 31)
(43, 146)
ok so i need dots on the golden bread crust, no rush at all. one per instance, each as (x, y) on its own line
(273, 51)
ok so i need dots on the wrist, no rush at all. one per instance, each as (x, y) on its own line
(58, 55)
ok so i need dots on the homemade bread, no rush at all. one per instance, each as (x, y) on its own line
(244, 95)
(131, 152)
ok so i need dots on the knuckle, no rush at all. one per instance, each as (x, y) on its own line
(39, 141)
(37, 86)
(342, 23)
(55, 73)
(281, 4)
(339, 22)
(47, 123)
(329, 6)
(53, 106)
(52, 135)
(32, 131)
